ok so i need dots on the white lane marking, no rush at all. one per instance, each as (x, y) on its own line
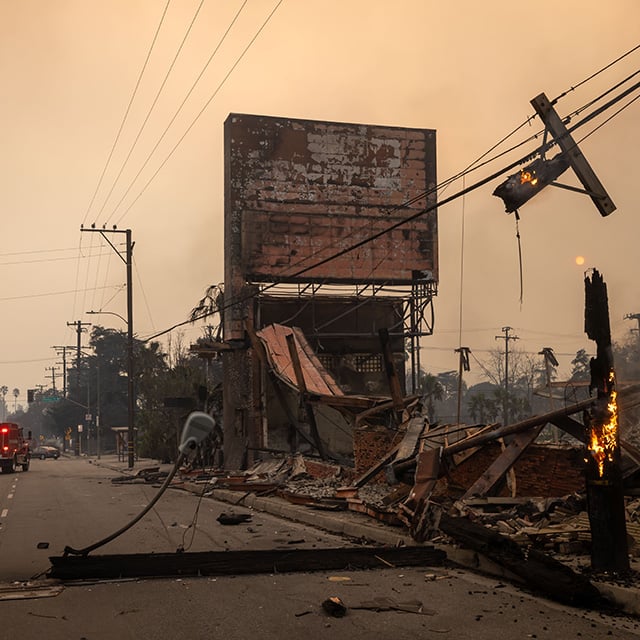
(10, 496)
(4, 513)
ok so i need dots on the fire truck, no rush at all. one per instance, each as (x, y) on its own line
(14, 448)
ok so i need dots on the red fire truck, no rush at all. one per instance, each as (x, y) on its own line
(14, 448)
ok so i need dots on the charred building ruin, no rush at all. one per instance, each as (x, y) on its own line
(326, 246)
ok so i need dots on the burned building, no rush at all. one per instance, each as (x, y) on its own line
(330, 237)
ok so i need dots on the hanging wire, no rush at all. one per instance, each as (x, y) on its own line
(517, 219)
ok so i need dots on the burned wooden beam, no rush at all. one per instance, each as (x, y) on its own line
(210, 563)
(538, 570)
(273, 378)
(503, 463)
(392, 376)
(517, 427)
(605, 492)
(302, 386)
(528, 423)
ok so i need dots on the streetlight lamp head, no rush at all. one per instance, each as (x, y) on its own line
(529, 181)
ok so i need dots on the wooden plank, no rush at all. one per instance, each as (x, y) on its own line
(510, 429)
(571, 426)
(502, 463)
(392, 376)
(541, 572)
(302, 385)
(409, 442)
(367, 475)
(209, 563)
(275, 382)
(569, 146)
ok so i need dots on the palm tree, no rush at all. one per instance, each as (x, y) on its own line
(16, 393)
(432, 390)
(3, 392)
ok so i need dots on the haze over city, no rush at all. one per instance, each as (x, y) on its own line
(113, 115)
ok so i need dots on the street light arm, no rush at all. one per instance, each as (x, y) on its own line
(109, 313)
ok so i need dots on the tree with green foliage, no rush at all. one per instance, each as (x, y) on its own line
(98, 385)
(432, 390)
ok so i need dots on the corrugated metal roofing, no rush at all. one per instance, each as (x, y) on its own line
(317, 379)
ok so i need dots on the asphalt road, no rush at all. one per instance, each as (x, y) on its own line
(72, 502)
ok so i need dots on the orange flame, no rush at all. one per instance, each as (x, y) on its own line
(604, 438)
(528, 176)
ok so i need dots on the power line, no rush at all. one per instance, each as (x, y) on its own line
(464, 191)
(4, 264)
(53, 293)
(126, 114)
(152, 107)
(193, 122)
(597, 73)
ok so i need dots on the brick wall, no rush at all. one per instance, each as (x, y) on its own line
(299, 191)
(542, 470)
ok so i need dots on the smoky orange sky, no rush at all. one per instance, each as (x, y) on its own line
(466, 69)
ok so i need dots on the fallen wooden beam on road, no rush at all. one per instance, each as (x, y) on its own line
(208, 563)
(538, 570)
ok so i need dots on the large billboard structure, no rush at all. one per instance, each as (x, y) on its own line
(331, 209)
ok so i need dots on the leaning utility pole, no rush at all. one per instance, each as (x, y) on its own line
(592, 185)
(128, 260)
(505, 405)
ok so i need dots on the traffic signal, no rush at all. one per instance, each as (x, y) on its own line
(522, 186)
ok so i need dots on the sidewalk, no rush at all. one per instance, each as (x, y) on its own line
(362, 527)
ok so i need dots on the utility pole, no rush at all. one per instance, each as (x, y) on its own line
(592, 185)
(52, 377)
(128, 260)
(463, 365)
(78, 324)
(605, 490)
(505, 405)
(636, 317)
(63, 350)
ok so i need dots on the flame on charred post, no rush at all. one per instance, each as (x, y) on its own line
(528, 175)
(603, 438)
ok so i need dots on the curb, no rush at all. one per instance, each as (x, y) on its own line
(361, 527)
(624, 599)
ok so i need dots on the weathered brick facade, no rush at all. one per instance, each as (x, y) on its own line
(325, 203)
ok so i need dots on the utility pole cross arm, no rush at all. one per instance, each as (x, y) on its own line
(578, 162)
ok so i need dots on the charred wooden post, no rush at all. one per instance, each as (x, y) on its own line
(302, 386)
(392, 376)
(605, 493)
